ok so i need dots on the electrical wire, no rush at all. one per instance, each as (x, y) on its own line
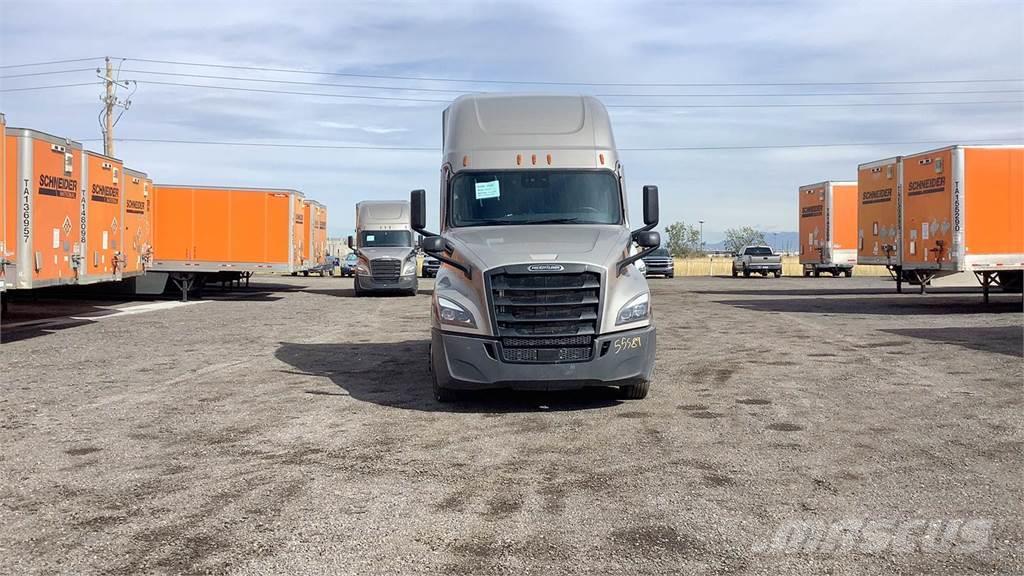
(681, 106)
(49, 87)
(622, 149)
(28, 65)
(27, 74)
(618, 95)
(556, 83)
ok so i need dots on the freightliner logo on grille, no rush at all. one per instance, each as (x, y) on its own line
(545, 268)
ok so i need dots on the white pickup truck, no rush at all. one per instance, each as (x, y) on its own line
(756, 259)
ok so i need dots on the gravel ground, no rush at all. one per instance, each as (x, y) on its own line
(289, 428)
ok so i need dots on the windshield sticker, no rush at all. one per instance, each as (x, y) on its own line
(486, 190)
(369, 237)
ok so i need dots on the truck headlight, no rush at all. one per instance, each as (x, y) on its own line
(409, 268)
(451, 313)
(362, 267)
(638, 308)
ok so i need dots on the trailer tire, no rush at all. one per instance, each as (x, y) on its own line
(746, 273)
(848, 273)
(778, 273)
(835, 273)
(635, 391)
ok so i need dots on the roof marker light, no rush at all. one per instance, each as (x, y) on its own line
(519, 159)
(465, 161)
(533, 159)
(601, 158)
(549, 159)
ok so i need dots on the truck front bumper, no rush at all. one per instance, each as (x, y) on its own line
(473, 363)
(370, 283)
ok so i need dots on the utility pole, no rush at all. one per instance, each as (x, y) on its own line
(701, 235)
(110, 101)
(108, 115)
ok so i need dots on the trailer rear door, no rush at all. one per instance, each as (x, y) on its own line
(928, 221)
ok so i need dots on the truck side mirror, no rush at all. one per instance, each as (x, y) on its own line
(351, 244)
(650, 205)
(433, 244)
(418, 204)
(648, 239)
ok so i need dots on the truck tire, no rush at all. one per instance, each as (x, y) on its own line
(635, 391)
(355, 287)
(807, 273)
(835, 273)
(817, 273)
(746, 273)
(848, 272)
(778, 273)
(441, 394)
(670, 275)
(735, 273)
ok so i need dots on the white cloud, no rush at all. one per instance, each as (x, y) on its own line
(602, 41)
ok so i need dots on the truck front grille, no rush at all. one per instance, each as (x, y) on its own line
(549, 317)
(385, 269)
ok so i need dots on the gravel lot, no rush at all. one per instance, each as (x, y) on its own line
(289, 428)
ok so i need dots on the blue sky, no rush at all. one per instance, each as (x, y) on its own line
(596, 41)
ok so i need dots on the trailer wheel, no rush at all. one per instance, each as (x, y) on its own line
(848, 272)
(778, 273)
(835, 273)
(635, 391)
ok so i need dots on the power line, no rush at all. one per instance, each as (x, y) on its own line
(48, 87)
(405, 99)
(555, 83)
(5, 66)
(620, 95)
(290, 92)
(52, 72)
(624, 149)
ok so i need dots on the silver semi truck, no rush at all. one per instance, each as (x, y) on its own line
(385, 248)
(537, 288)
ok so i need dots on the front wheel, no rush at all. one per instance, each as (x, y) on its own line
(635, 391)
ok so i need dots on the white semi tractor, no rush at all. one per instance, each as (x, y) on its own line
(537, 288)
(385, 248)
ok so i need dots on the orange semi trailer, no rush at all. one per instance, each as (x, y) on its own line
(879, 215)
(205, 233)
(102, 206)
(963, 211)
(44, 229)
(138, 222)
(314, 238)
(828, 228)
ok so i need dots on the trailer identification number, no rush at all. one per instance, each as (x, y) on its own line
(628, 343)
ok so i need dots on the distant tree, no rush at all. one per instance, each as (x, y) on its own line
(682, 240)
(737, 238)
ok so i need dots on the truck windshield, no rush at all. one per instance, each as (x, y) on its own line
(535, 197)
(385, 238)
(759, 251)
(660, 252)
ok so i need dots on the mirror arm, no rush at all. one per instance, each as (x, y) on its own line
(646, 228)
(621, 266)
(425, 233)
(442, 257)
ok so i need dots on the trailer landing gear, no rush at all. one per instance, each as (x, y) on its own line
(185, 282)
